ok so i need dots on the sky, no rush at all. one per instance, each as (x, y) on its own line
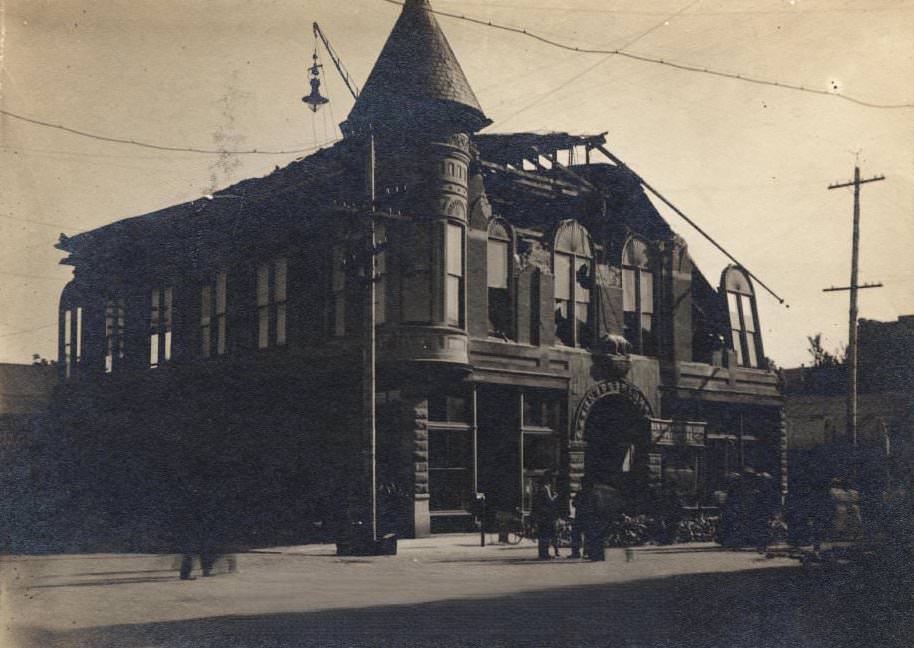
(750, 163)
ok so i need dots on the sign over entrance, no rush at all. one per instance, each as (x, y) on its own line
(617, 387)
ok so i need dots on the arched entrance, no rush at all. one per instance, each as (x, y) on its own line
(617, 436)
(611, 438)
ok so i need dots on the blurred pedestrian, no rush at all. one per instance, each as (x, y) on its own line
(605, 504)
(731, 532)
(577, 529)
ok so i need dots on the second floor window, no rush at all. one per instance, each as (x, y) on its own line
(498, 272)
(114, 334)
(638, 296)
(573, 268)
(271, 303)
(454, 283)
(160, 325)
(212, 316)
(744, 331)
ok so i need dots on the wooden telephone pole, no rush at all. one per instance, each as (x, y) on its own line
(851, 426)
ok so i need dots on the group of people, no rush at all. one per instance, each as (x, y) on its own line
(594, 508)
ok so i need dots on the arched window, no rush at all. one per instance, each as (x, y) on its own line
(498, 271)
(745, 337)
(573, 269)
(638, 296)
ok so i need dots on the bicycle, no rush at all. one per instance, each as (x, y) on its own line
(513, 527)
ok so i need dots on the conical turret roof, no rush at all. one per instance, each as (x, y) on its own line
(417, 80)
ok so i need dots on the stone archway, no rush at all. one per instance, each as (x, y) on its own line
(611, 433)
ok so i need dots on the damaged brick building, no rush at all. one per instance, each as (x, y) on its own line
(534, 315)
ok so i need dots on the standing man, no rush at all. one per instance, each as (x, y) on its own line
(544, 514)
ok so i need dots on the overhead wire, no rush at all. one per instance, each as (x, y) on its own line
(629, 43)
(671, 64)
(736, 12)
(157, 147)
(31, 330)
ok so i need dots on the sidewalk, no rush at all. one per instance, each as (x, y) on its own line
(442, 542)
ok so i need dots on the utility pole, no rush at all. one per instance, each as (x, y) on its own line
(370, 342)
(851, 425)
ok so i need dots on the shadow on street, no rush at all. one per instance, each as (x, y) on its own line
(773, 608)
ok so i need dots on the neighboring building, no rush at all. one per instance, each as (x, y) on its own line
(534, 315)
(816, 399)
(25, 464)
(25, 393)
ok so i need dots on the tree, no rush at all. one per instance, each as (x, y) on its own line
(823, 358)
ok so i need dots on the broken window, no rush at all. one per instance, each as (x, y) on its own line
(573, 269)
(638, 296)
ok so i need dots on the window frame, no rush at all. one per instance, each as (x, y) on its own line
(443, 427)
(161, 325)
(213, 316)
(541, 402)
(272, 296)
(455, 275)
(641, 344)
(750, 352)
(501, 232)
(72, 328)
(115, 330)
(578, 251)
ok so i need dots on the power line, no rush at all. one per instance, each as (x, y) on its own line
(157, 147)
(628, 44)
(736, 12)
(658, 61)
(31, 330)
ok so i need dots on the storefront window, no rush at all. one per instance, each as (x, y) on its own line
(450, 472)
(542, 420)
